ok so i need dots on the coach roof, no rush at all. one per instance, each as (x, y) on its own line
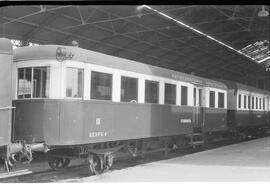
(238, 86)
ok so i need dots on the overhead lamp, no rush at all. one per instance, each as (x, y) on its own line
(139, 8)
(42, 8)
(139, 11)
(263, 12)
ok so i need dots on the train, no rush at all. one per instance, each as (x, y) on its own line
(75, 103)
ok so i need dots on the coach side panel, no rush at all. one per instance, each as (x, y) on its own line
(215, 120)
(99, 121)
(36, 120)
(60, 122)
(250, 118)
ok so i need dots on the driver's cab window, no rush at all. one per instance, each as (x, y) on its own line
(129, 89)
(74, 83)
(33, 82)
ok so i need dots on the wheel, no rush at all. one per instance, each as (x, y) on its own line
(57, 163)
(66, 162)
(207, 141)
(242, 136)
(108, 162)
(95, 164)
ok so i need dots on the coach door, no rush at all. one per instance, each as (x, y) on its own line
(198, 114)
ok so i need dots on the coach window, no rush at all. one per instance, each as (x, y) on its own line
(200, 97)
(24, 82)
(249, 102)
(151, 91)
(194, 96)
(170, 94)
(260, 103)
(101, 86)
(74, 82)
(129, 89)
(252, 102)
(221, 100)
(212, 99)
(256, 99)
(239, 101)
(245, 101)
(40, 82)
(39, 87)
(184, 95)
(263, 104)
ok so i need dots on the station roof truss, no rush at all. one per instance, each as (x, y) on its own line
(143, 35)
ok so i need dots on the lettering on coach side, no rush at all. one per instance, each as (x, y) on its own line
(185, 120)
(98, 134)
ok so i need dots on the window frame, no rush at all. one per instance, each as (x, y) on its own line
(245, 101)
(175, 85)
(187, 96)
(32, 66)
(158, 91)
(252, 102)
(239, 101)
(102, 72)
(249, 102)
(264, 103)
(137, 80)
(213, 92)
(256, 102)
(219, 99)
(83, 82)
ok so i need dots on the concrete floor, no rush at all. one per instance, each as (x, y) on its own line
(246, 161)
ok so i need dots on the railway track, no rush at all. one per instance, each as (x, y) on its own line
(80, 171)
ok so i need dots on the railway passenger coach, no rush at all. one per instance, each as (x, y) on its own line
(91, 97)
(8, 149)
(85, 104)
(5, 94)
(248, 109)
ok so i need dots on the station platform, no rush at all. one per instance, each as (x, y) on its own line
(246, 161)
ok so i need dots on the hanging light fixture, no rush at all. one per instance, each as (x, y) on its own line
(263, 12)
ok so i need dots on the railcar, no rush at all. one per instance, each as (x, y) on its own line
(80, 103)
(88, 104)
(248, 109)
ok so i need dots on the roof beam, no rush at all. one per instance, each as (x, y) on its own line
(122, 34)
(199, 32)
(38, 26)
(73, 19)
(81, 30)
(35, 13)
(229, 17)
(182, 42)
(80, 13)
(65, 33)
(30, 34)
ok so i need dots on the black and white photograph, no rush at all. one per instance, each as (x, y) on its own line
(104, 91)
